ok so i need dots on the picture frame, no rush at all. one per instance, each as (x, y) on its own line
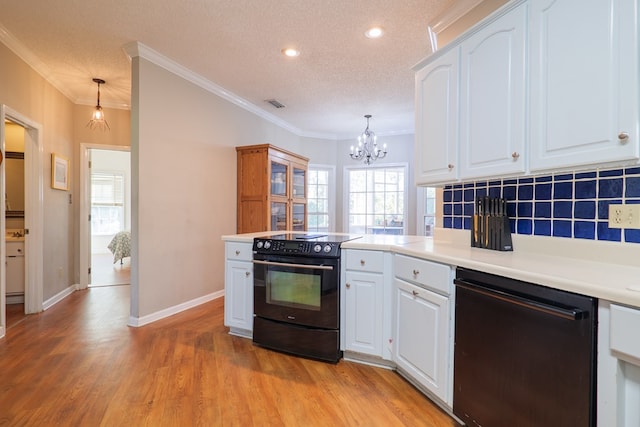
(59, 172)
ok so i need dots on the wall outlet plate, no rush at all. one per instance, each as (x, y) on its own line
(624, 216)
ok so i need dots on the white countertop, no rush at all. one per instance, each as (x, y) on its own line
(604, 270)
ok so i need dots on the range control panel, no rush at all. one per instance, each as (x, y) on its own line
(296, 247)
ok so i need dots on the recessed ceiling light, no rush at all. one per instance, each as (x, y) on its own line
(374, 32)
(291, 52)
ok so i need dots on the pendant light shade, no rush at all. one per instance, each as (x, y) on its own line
(97, 118)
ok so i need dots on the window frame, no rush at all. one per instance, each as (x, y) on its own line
(331, 196)
(347, 186)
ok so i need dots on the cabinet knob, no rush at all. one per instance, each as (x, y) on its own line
(237, 252)
(515, 155)
(348, 285)
(415, 293)
(623, 137)
(416, 272)
(362, 262)
(450, 166)
(247, 273)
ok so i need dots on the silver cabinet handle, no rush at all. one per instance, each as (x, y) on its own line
(415, 293)
(362, 262)
(416, 272)
(348, 285)
(237, 252)
(515, 155)
(623, 137)
(247, 273)
(450, 166)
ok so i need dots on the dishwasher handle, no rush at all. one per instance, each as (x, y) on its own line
(553, 310)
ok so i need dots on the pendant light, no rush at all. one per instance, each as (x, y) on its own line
(97, 119)
(367, 149)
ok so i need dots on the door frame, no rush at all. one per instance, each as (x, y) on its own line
(85, 206)
(34, 214)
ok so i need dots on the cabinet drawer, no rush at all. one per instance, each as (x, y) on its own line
(239, 251)
(425, 273)
(625, 323)
(15, 248)
(365, 260)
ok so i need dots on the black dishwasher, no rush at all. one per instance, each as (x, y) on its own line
(525, 355)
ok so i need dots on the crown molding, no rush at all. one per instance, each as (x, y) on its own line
(137, 49)
(454, 12)
(31, 59)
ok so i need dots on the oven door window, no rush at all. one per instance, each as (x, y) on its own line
(295, 288)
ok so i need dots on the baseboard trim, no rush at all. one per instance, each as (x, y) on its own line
(59, 297)
(170, 311)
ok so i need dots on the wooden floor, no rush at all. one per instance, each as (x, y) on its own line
(105, 272)
(78, 364)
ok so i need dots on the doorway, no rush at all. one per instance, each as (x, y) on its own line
(30, 219)
(106, 203)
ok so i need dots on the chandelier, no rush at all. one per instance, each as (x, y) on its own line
(367, 149)
(97, 118)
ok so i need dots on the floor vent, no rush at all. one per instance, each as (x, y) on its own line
(275, 103)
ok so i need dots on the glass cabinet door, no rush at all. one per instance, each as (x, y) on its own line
(299, 216)
(299, 183)
(278, 216)
(278, 179)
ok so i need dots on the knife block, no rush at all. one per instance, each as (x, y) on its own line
(490, 228)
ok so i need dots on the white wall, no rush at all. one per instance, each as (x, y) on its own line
(184, 184)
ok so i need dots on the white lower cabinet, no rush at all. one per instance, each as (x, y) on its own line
(238, 288)
(423, 341)
(618, 365)
(367, 303)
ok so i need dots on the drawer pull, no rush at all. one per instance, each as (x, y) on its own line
(623, 137)
(515, 155)
(237, 252)
(362, 262)
(415, 293)
(348, 285)
(416, 272)
(247, 273)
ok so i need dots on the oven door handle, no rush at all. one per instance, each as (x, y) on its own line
(286, 264)
(565, 313)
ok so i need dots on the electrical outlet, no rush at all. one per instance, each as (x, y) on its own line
(624, 216)
(615, 216)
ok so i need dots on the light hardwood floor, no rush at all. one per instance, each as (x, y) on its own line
(78, 364)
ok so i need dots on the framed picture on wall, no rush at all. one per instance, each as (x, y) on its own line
(59, 172)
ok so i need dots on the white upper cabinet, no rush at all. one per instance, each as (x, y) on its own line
(492, 98)
(584, 82)
(437, 120)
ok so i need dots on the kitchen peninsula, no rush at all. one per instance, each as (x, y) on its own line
(597, 269)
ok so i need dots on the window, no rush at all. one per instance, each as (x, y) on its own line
(377, 200)
(319, 211)
(429, 215)
(107, 202)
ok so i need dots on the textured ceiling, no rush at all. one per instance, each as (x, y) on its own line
(338, 78)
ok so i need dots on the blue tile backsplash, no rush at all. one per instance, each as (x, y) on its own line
(573, 205)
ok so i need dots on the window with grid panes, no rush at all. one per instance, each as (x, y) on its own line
(377, 200)
(318, 199)
(107, 202)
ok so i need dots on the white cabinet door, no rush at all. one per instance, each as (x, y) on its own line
(364, 312)
(492, 98)
(238, 296)
(436, 136)
(422, 337)
(584, 82)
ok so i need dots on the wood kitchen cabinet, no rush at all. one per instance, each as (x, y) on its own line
(272, 189)
(238, 288)
(423, 339)
(584, 82)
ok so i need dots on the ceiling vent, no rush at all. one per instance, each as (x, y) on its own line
(275, 103)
